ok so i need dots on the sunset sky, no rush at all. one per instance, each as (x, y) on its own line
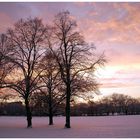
(113, 27)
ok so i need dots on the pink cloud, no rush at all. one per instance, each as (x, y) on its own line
(5, 22)
(113, 29)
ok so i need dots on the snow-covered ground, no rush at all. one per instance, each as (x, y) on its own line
(82, 127)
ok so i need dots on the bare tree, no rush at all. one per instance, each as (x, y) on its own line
(84, 87)
(73, 55)
(27, 42)
(51, 78)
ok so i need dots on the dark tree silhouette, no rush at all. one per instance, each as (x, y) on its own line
(51, 78)
(27, 42)
(73, 55)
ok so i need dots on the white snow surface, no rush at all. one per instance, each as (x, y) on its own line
(81, 127)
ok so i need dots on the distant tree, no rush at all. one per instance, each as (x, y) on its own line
(73, 55)
(119, 103)
(106, 102)
(132, 106)
(116, 103)
(27, 42)
(4, 97)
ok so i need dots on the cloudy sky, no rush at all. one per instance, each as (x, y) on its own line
(113, 27)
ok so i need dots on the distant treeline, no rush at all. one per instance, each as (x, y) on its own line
(115, 104)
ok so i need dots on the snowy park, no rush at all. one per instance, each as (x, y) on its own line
(69, 70)
(81, 127)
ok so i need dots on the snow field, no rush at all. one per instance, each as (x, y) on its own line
(82, 127)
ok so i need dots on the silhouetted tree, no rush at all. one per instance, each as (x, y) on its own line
(51, 78)
(27, 42)
(73, 55)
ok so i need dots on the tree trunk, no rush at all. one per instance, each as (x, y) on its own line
(50, 119)
(28, 114)
(50, 106)
(67, 111)
(50, 113)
